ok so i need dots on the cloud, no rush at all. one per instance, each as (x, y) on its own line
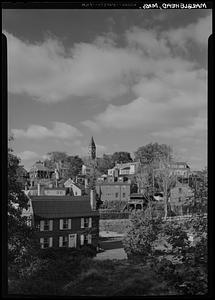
(148, 41)
(197, 32)
(46, 72)
(49, 73)
(59, 130)
(28, 155)
(166, 101)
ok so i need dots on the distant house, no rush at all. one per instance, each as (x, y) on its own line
(179, 195)
(64, 221)
(39, 173)
(124, 169)
(74, 188)
(180, 169)
(113, 190)
(44, 190)
(137, 201)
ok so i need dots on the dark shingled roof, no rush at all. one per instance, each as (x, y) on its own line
(62, 206)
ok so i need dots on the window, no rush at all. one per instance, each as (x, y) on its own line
(116, 195)
(63, 241)
(65, 224)
(86, 222)
(85, 239)
(46, 242)
(179, 199)
(46, 225)
(180, 190)
(123, 195)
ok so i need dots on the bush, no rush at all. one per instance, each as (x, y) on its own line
(141, 234)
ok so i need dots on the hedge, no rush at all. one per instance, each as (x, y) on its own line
(114, 215)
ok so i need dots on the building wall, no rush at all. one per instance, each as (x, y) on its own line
(180, 193)
(114, 192)
(75, 229)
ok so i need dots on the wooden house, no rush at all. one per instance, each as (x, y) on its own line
(64, 221)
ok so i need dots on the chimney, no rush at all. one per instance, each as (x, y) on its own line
(38, 189)
(85, 183)
(92, 200)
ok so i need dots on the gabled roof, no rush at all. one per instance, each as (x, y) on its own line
(62, 206)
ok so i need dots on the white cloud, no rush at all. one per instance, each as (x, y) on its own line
(197, 32)
(28, 155)
(50, 73)
(59, 130)
(148, 41)
(47, 73)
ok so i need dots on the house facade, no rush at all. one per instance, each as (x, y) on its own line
(64, 221)
(124, 169)
(39, 173)
(180, 169)
(178, 196)
(113, 190)
(74, 188)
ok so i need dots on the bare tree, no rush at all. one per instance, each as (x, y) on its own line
(166, 179)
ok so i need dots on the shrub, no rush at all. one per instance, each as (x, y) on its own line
(114, 215)
(141, 234)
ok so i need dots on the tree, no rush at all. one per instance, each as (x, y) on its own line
(121, 157)
(57, 156)
(19, 234)
(141, 234)
(154, 172)
(151, 153)
(105, 163)
(74, 164)
(166, 180)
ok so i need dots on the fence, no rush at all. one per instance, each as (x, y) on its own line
(185, 217)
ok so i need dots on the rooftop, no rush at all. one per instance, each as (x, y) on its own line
(62, 207)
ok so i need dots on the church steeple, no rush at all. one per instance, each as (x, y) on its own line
(92, 149)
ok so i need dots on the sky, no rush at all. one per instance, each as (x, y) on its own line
(125, 77)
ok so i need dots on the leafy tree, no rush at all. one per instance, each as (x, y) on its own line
(74, 166)
(151, 153)
(57, 156)
(105, 163)
(121, 156)
(19, 234)
(141, 234)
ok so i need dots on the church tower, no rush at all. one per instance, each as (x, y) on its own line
(92, 149)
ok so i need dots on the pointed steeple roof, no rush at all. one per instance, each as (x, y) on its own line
(92, 143)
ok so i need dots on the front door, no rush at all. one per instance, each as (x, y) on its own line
(72, 240)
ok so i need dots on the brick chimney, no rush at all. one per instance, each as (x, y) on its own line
(92, 200)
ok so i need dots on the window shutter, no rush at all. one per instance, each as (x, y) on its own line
(82, 222)
(89, 237)
(61, 223)
(82, 239)
(50, 241)
(51, 225)
(42, 242)
(90, 222)
(69, 223)
(60, 241)
(41, 225)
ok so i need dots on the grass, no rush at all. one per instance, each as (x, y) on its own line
(116, 225)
